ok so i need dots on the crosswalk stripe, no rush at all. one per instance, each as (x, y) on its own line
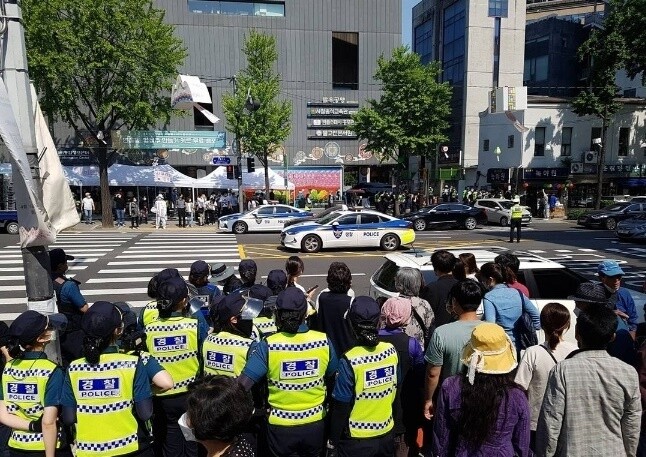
(117, 267)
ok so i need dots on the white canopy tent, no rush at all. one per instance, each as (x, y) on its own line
(130, 175)
(217, 179)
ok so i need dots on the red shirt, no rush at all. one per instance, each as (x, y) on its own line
(520, 286)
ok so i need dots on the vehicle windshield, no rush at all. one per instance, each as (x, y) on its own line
(615, 207)
(427, 209)
(328, 218)
(506, 204)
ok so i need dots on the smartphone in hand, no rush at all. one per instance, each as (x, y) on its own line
(312, 289)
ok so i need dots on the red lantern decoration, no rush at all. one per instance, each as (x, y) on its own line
(525, 185)
(570, 186)
(559, 186)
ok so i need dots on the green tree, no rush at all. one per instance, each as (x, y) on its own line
(101, 66)
(411, 117)
(627, 20)
(603, 52)
(262, 129)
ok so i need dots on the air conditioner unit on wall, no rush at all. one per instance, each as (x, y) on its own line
(591, 157)
(576, 167)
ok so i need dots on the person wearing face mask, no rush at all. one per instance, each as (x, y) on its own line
(218, 412)
(199, 276)
(106, 394)
(225, 352)
(31, 386)
(175, 339)
(619, 298)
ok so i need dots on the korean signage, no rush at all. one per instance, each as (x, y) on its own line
(78, 155)
(330, 118)
(545, 173)
(625, 168)
(498, 175)
(156, 139)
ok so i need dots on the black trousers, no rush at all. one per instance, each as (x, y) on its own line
(169, 439)
(514, 223)
(181, 215)
(298, 441)
(134, 221)
(382, 446)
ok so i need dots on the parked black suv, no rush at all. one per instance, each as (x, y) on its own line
(609, 216)
(370, 189)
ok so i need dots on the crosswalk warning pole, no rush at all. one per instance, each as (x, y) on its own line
(38, 284)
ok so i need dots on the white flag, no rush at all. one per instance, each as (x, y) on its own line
(57, 196)
(36, 229)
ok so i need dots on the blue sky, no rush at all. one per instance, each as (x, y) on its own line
(407, 7)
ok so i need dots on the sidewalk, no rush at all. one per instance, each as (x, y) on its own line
(171, 226)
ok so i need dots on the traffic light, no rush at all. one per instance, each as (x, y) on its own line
(251, 165)
(230, 172)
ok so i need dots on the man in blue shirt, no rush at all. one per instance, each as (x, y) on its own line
(619, 298)
(70, 302)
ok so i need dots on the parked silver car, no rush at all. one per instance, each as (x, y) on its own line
(499, 210)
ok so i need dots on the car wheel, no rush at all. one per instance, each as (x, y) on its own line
(470, 223)
(504, 221)
(240, 228)
(420, 225)
(389, 242)
(611, 224)
(12, 228)
(311, 243)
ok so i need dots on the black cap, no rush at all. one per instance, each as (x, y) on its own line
(199, 268)
(590, 292)
(160, 277)
(276, 278)
(101, 320)
(247, 270)
(171, 292)
(260, 292)
(291, 299)
(231, 306)
(58, 256)
(364, 311)
(31, 324)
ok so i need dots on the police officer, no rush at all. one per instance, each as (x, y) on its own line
(133, 341)
(70, 302)
(31, 386)
(199, 277)
(175, 340)
(247, 269)
(361, 418)
(515, 220)
(101, 389)
(225, 352)
(296, 362)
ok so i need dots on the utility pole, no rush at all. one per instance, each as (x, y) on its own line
(38, 283)
(236, 143)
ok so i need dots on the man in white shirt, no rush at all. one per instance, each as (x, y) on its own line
(88, 207)
(160, 212)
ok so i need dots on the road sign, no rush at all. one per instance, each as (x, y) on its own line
(221, 160)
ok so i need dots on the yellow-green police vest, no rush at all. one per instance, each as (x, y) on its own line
(23, 388)
(225, 353)
(104, 394)
(150, 313)
(265, 325)
(375, 385)
(174, 343)
(296, 369)
(516, 212)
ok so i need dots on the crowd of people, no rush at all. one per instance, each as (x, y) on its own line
(219, 364)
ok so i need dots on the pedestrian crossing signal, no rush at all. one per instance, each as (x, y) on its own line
(251, 165)
(230, 172)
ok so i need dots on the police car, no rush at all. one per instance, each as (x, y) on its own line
(349, 229)
(266, 218)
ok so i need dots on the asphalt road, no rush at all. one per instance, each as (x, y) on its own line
(116, 264)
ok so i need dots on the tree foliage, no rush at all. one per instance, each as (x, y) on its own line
(627, 21)
(101, 66)
(262, 130)
(411, 117)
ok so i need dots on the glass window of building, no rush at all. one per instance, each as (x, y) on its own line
(566, 141)
(536, 69)
(498, 8)
(237, 8)
(453, 42)
(345, 60)
(539, 141)
(594, 133)
(485, 145)
(200, 121)
(510, 141)
(624, 140)
(424, 41)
